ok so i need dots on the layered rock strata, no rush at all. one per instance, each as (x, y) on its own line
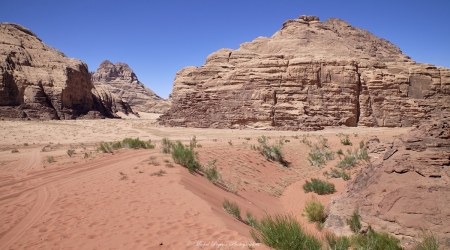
(39, 82)
(308, 75)
(404, 191)
(120, 80)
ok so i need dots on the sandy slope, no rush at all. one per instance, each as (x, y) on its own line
(84, 202)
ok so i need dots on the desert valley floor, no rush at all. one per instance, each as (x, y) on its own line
(141, 199)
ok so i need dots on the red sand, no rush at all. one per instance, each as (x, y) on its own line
(78, 203)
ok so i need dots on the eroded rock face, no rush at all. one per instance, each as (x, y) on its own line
(39, 82)
(406, 190)
(120, 80)
(308, 75)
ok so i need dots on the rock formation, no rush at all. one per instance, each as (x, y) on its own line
(120, 80)
(404, 191)
(308, 75)
(39, 82)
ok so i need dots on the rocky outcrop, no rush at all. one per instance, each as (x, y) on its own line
(120, 80)
(308, 75)
(39, 82)
(406, 190)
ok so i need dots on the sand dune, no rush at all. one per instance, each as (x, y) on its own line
(112, 201)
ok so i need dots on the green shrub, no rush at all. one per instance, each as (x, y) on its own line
(70, 152)
(50, 159)
(319, 156)
(283, 232)
(15, 151)
(232, 208)
(376, 241)
(251, 220)
(166, 145)
(158, 173)
(429, 242)
(136, 143)
(211, 172)
(335, 173)
(319, 187)
(337, 243)
(346, 141)
(323, 141)
(104, 147)
(271, 152)
(315, 211)
(348, 162)
(339, 152)
(354, 223)
(116, 145)
(185, 157)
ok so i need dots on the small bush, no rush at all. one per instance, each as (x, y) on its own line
(339, 152)
(70, 152)
(123, 176)
(104, 147)
(211, 172)
(315, 211)
(354, 223)
(335, 173)
(348, 162)
(136, 143)
(319, 187)
(319, 156)
(232, 208)
(376, 241)
(323, 141)
(15, 151)
(429, 242)
(86, 155)
(185, 157)
(337, 243)
(230, 143)
(116, 145)
(283, 232)
(50, 159)
(251, 220)
(166, 146)
(158, 173)
(271, 152)
(25, 144)
(346, 141)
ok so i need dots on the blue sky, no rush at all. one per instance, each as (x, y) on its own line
(158, 38)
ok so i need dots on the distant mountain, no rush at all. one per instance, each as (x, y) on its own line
(120, 80)
(308, 75)
(39, 82)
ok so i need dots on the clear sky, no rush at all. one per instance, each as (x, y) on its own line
(158, 38)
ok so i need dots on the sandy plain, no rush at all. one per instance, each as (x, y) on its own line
(95, 200)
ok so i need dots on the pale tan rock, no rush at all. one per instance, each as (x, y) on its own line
(404, 192)
(39, 82)
(308, 75)
(121, 81)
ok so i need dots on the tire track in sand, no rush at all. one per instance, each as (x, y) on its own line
(43, 184)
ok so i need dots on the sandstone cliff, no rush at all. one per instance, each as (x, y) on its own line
(308, 75)
(120, 80)
(404, 191)
(39, 82)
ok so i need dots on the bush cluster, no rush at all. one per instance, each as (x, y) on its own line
(336, 173)
(107, 147)
(319, 187)
(271, 152)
